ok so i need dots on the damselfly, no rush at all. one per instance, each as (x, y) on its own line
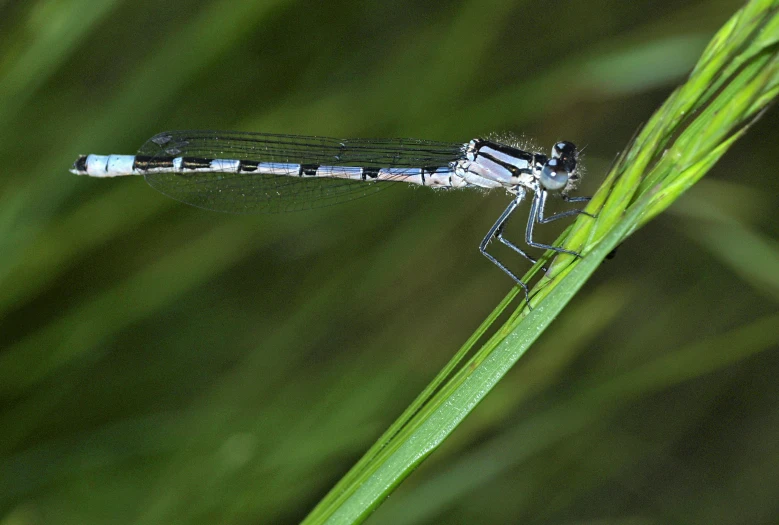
(241, 172)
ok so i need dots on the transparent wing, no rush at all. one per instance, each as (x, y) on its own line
(247, 192)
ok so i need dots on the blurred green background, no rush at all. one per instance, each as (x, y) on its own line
(164, 364)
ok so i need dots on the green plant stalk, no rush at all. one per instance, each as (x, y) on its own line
(732, 84)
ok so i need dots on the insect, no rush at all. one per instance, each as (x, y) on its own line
(239, 172)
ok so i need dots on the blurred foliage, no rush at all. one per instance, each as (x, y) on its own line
(163, 364)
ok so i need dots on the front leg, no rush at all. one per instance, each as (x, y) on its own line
(536, 215)
(568, 213)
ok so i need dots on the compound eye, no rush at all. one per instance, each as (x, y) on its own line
(563, 149)
(553, 175)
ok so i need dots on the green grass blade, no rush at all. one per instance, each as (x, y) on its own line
(735, 79)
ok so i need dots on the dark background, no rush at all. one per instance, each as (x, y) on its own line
(165, 364)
